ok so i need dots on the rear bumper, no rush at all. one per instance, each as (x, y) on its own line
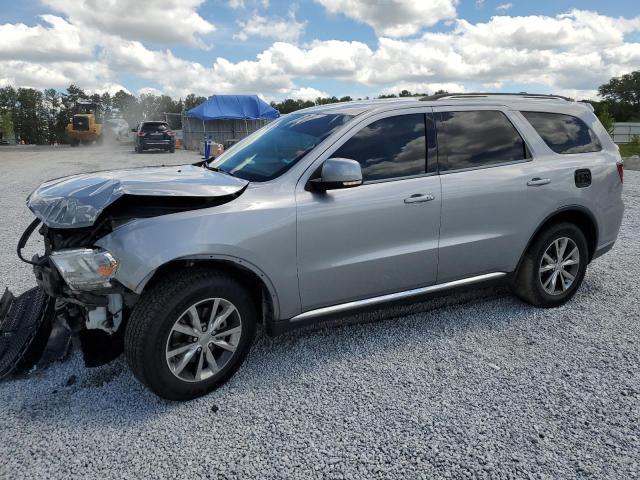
(160, 143)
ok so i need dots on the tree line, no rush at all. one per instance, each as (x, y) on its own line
(40, 116)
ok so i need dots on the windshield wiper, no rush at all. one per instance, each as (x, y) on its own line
(218, 169)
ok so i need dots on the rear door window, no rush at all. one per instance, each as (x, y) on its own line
(392, 147)
(154, 127)
(470, 139)
(564, 133)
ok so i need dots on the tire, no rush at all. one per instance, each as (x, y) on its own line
(74, 143)
(25, 330)
(151, 333)
(172, 150)
(534, 283)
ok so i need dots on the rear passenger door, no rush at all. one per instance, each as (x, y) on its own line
(487, 208)
(380, 237)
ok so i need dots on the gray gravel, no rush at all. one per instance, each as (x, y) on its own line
(475, 385)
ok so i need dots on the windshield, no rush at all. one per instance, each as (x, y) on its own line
(272, 150)
(85, 108)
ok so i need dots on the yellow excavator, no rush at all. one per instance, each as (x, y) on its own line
(86, 125)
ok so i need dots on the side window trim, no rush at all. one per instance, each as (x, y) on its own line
(442, 138)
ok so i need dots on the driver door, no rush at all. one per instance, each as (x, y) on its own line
(380, 237)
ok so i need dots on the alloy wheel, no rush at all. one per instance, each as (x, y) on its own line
(559, 266)
(203, 339)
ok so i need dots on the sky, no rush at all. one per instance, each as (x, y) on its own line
(310, 48)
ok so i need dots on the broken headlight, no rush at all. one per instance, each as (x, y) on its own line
(84, 268)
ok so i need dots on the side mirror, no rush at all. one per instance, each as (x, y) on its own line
(338, 173)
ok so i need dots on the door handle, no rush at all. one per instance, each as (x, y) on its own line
(419, 198)
(537, 181)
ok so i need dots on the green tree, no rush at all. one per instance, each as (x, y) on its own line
(8, 98)
(105, 101)
(622, 96)
(192, 101)
(30, 121)
(606, 118)
(6, 121)
(128, 106)
(624, 89)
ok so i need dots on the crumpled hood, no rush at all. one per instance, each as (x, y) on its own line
(78, 200)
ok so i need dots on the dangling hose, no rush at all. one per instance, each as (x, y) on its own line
(23, 240)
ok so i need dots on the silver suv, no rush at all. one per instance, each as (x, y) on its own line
(326, 210)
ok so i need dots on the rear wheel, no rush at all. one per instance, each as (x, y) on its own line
(190, 333)
(554, 266)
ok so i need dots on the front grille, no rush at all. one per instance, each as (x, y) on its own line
(80, 122)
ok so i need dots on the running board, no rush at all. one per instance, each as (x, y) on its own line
(320, 312)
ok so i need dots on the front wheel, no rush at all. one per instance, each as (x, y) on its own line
(190, 333)
(553, 267)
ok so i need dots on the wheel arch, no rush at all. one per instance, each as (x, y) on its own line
(259, 285)
(580, 216)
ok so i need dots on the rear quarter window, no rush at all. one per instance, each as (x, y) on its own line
(154, 127)
(564, 133)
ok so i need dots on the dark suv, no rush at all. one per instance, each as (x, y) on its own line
(154, 135)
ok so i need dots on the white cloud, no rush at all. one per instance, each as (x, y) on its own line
(109, 88)
(163, 22)
(236, 4)
(60, 41)
(306, 93)
(394, 18)
(270, 27)
(573, 52)
(504, 7)
(89, 75)
(148, 91)
(429, 88)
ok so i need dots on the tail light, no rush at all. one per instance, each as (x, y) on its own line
(620, 166)
(141, 134)
(171, 133)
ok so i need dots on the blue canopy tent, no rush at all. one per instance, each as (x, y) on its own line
(234, 107)
(226, 119)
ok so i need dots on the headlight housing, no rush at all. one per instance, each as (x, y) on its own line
(85, 268)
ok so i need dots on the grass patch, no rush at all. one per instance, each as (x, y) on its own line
(629, 149)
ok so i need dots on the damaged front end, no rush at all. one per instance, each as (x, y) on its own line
(78, 292)
(82, 295)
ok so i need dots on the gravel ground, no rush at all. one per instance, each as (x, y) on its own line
(474, 385)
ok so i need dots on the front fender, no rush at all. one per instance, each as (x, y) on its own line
(263, 240)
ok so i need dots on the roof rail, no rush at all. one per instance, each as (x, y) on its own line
(440, 96)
